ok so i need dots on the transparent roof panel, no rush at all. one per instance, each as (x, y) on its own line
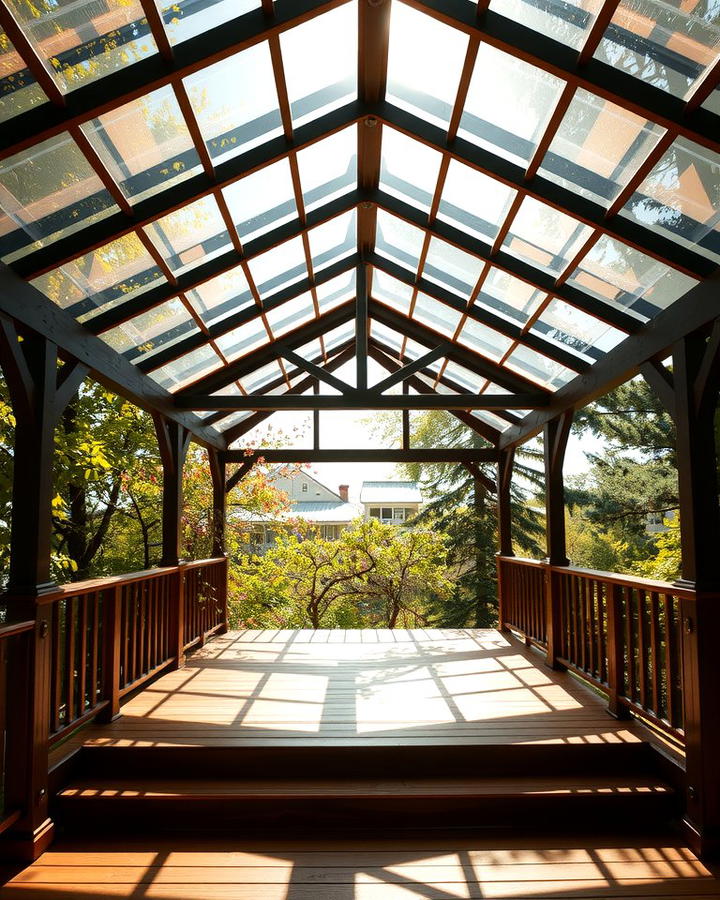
(598, 147)
(262, 201)
(565, 22)
(18, 89)
(311, 350)
(279, 267)
(452, 268)
(103, 279)
(143, 336)
(408, 169)
(387, 336)
(80, 42)
(680, 198)
(191, 235)
(222, 296)
(436, 315)
(538, 368)
(464, 378)
(628, 279)
(320, 62)
(391, 291)
(333, 240)
(235, 102)
(336, 337)
(145, 145)
(47, 192)
(508, 296)
(336, 291)
(486, 341)
(667, 45)
(290, 315)
(265, 375)
(183, 21)
(473, 202)
(576, 330)
(328, 168)
(510, 118)
(182, 372)
(243, 340)
(425, 90)
(397, 240)
(545, 237)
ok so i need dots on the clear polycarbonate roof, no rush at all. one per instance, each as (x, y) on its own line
(510, 212)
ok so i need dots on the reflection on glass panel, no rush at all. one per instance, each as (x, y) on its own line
(452, 268)
(408, 169)
(243, 340)
(426, 90)
(82, 40)
(187, 369)
(576, 330)
(484, 340)
(235, 102)
(332, 240)
(257, 380)
(262, 201)
(18, 89)
(545, 237)
(667, 45)
(598, 147)
(565, 22)
(436, 315)
(713, 102)
(191, 235)
(234, 419)
(47, 192)
(680, 198)
(328, 168)
(320, 62)
(489, 418)
(279, 267)
(629, 279)
(184, 20)
(336, 337)
(386, 336)
(336, 291)
(464, 378)
(509, 118)
(398, 240)
(538, 368)
(311, 350)
(473, 202)
(291, 315)
(391, 291)
(102, 279)
(414, 350)
(222, 296)
(145, 144)
(157, 329)
(508, 296)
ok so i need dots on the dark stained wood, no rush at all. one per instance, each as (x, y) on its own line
(300, 455)
(557, 432)
(504, 484)
(173, 442)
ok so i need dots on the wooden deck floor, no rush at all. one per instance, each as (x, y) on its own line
(420, 686)
(499, 867)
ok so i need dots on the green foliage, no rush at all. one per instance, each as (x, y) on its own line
(373, 575)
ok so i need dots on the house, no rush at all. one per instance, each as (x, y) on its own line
(390, 501)
(310, 500)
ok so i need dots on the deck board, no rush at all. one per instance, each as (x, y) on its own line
(413, 686)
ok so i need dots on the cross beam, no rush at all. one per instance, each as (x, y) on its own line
(359, 399)
(457, 455)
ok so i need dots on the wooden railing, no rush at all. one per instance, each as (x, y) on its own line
(620, 633)
(111, 635)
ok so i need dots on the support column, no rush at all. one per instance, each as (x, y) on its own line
(696, 377)
(173, 441)
(405, 420)
(316, 418)
(504, 483)
(218, 473)
(39, 391)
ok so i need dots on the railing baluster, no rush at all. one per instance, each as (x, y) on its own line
(642, 647)
(656, 667)
(70, 626)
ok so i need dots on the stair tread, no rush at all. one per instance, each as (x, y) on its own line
(138, 788)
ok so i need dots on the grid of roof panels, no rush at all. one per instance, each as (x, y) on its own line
(202, 184)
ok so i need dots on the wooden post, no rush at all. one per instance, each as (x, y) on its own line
(173, 441)
(316, 418)
(405, 420)
(504, 482)
(696, 379)
(218, 473)
(615, 651)
(39, 391)
(112, 654)
(556, 436)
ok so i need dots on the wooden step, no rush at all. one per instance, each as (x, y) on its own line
(363, 802)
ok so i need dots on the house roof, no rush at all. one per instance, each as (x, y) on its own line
(227, 201)
(312, 511)
(390, 492)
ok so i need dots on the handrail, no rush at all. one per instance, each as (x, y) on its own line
(10, 629)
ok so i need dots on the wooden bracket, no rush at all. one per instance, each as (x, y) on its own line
(661, 380)
(481, 477)
(239, 474)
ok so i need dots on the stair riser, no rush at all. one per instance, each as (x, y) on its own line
(555, 811)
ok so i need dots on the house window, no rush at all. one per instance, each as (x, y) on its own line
(304, 487)
(386, 514)
(329, 532)
(399, 514)
(374, 512)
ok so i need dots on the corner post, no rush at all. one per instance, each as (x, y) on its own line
(696, 379)
(218, 471)
(556, 435)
